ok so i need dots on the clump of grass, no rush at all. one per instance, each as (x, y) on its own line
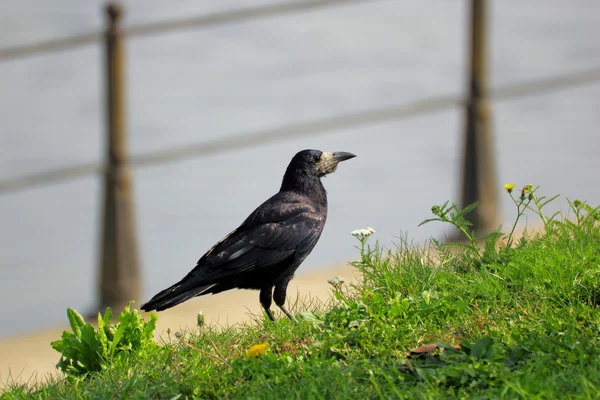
(520, 320)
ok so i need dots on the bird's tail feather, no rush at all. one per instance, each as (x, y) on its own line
(174, 295)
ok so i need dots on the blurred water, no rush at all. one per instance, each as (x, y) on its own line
(202, 84)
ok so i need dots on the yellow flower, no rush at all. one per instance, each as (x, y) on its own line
(257, 350)
(509, 187)
(529, 186)
(500, 244)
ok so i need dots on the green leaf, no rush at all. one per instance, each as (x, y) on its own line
(57, 345)
(430, 220)
(444, 345)
(117, 339)
(310, 317)
(91, 343)
(482, 348)
(542, 204)
(101, 335)
(149, 327)
(101, 324)
(463, 245)
(76, 321)
(467, 209)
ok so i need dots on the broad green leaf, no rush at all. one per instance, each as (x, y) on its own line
(57, 345)
(444, 345)
(91, 348)
(310, 317)
(107, 316)
(481, 348)
(75, 320)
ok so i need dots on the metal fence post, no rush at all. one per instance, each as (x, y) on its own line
(119, 280)
(479, 177)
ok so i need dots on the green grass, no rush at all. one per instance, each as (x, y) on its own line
(526, 316)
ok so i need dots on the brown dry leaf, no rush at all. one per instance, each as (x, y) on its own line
(426, 349)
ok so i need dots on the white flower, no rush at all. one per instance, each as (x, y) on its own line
(336, 281)
(362, 234)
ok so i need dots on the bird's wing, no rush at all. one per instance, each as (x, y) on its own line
(266, 238)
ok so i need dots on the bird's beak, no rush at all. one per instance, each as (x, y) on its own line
(329, 161)
(340, 156)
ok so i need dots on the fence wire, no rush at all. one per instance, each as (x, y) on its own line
(318, 127)
(203, 21)
(303, 129)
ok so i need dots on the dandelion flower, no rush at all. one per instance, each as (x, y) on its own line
(509, 187)
(257, 350)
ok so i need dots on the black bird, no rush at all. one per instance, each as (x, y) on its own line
(264, 252)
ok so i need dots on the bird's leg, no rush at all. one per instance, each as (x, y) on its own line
(289, 314)
(270, 314)
(279, 297)
(266, 298)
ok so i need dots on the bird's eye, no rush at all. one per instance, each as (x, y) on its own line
(317, 158)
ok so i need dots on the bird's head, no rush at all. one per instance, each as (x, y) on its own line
(307, 167)
(318, 163)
